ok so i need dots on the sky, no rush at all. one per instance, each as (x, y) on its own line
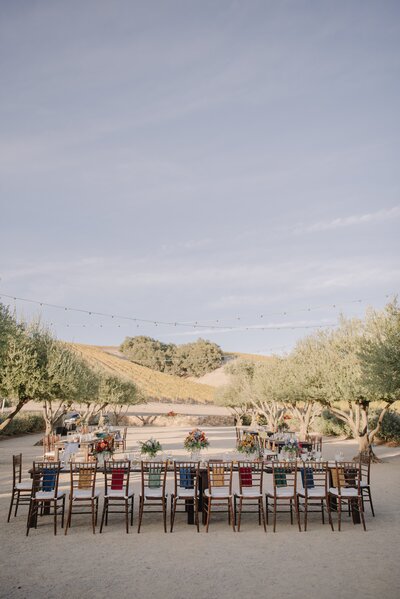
(229, 166)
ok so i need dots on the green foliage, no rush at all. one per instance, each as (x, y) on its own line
(190, 359)
(329, 425)
(23, 424)
(390, 427)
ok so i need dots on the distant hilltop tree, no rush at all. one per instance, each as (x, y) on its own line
(191, 359)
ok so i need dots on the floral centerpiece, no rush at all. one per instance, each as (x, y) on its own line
(103, 449)
(290, 449)
(151, 447)
(195, 441)
(247, 444)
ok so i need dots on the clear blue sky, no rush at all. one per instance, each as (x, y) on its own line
(197, 161)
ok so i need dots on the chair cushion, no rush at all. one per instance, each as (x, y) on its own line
(345, 492)
(249, 492)
(119, 493)
(217, 493)
(48, 495)
(184, 493)
(24, 485)
(155, 493)
(364, 484)
(84, 494)
(315, 493)
(283, 492)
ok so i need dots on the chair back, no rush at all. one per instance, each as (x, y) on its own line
(347, 475)
(116, 476)
(314, 475)
(83, 476)
(220, 475)
(186, 476)
(154, 476)
(17, 468)
(45, 477)
(284, 475)
(251, 476)
(365, 466)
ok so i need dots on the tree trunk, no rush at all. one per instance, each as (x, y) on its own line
(11, 416)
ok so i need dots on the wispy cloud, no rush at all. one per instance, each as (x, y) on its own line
(347, 221)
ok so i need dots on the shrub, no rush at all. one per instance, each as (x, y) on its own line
(390, 427)
(23, 424)
(328, 424)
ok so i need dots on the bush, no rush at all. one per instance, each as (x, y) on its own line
(21, 425)
(328, 424)
(390, 427)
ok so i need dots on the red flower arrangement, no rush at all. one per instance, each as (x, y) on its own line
(106, 444)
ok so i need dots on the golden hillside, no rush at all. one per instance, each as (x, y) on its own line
(155, 385)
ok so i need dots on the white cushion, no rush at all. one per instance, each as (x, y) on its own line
(84, 494)
(48, 495)
(345, 492)
(24, 485)
(184, 493)
(250, 492)
(364, 484)
(119, 493)
(283, 492)
(314, 492)
(218, 493)
(155, 493)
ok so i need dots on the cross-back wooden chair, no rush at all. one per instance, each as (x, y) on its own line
(21, 490)
(365, 461)
(284, 476)
(117, 491)
(219, 474)
(45, 494)
(186, 480)
(346, 489)
(83, 492)
(250, 490)
(314, 493)
(153, 480)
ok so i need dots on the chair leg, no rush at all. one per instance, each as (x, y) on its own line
(97, 510)
(17, 503)
(127, 515)
(28, 524)
(322, 511)
(208, 512)
(11, 507)
(291, 511)
(55, 516)
(240, 512)
(196, 513)
(370, 500)
(275, 507)
(132, 503)
(305, 512)
(339, 508)
(266, 509)
(173, 510)
(164, 507)
(261, 508)
(105, 508)
(361, 510)
(141, 507)
(93, 516)
(231, 514)
(62, 511)
(296, 507)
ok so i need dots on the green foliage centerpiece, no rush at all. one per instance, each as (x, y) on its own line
(150, 448)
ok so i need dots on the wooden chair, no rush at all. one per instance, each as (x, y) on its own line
(284, 492)
(117, 492)
(315, 494)
(45, 477)
(83, 491)
(154, 475)
(186, 479)
(347, 488)
(250, 490)
(21, 490)
(365, 461)
(51, 447)
(121, 443)
(219, 490)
